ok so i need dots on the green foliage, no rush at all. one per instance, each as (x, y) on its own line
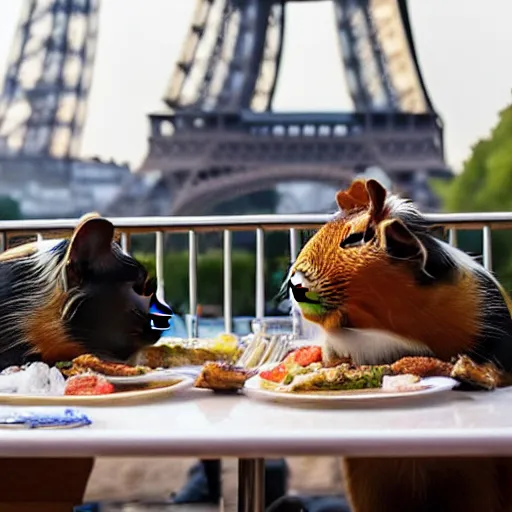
(210, 287)
(485, 185)
(9, 208)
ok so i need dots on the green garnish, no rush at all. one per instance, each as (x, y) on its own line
(63, 365)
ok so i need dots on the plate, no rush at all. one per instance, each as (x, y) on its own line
(432, 386)
(118, 398)
(157, 375)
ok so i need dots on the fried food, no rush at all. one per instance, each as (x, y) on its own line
(170, 356)
(221, 376)
(87, 363)
(422, 367)
(483, 376)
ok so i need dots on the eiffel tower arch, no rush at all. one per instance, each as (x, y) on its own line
(221, 138)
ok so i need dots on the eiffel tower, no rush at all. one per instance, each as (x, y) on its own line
(221, 139)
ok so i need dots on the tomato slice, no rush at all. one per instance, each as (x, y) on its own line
(276, 374)
(88, 385)
(305, 356)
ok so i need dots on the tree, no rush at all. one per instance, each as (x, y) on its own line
(485, 185)
(9, 208)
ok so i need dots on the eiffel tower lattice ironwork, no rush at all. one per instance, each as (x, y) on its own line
(44, 97)
(222, 139)
(43, 104)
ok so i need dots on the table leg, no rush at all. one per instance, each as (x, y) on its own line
(251, 485)
(43, 485)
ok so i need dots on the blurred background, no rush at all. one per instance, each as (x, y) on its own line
(215, 107)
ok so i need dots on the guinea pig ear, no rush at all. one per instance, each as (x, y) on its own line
(354, 198)
(401, 243)
(90, 247)
(377, 194)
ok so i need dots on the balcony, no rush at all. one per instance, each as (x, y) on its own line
(127, 228)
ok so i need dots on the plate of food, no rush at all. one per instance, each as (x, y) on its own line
(123, 374)
(302, 377)
(83, 381)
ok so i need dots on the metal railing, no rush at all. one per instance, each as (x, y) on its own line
(128, 226)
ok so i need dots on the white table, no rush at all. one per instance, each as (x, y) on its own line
(201, 424)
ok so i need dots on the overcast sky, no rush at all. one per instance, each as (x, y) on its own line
(464, 46)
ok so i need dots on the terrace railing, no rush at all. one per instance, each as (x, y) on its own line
(261, 224)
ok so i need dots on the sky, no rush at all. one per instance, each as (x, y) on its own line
(464, 48)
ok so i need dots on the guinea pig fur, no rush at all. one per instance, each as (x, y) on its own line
(382, 287)
(63, 298)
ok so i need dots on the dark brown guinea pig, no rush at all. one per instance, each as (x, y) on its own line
(63, 298)
(383, 287)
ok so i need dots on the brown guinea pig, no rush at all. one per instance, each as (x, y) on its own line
(382, 287)
(63, 298)
(376, 268)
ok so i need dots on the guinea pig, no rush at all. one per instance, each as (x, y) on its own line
(63, 298)
(383, 287)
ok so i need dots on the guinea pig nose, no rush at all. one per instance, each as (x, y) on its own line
(160, 314)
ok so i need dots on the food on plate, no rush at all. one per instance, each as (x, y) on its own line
(305, 356)
(84, 375)
(422, 367)
(33, 379)
(167, 356)
(404, 382)
(303, 370)
(87, 362)
(464, 369)
(485, 376)
(221, 376)
(277, 374)
(225, 343)
(88, 384)
(171, 353)
(10, 370)
(301, 360)
(339, 378)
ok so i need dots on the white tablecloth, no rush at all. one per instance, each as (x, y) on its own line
(199, 423)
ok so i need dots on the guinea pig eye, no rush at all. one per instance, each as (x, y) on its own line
(352, 240)
(368, 234)
(356, 239)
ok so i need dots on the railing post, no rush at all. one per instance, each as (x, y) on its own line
(159, 264)
(228, 288)
(487, 247)
(452, 237)
(295, 313)
(294, 244)
(260, 273)
(125, 242)
(4, 244)
(192, 327)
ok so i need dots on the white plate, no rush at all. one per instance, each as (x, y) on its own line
(117, 398)
(157, 375)
(434, 385)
